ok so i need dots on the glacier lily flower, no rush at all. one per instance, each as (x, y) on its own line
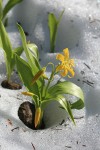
(66, 65)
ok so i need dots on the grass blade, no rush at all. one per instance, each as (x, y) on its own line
(9, 5)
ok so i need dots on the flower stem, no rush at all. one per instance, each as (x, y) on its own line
(49, 81)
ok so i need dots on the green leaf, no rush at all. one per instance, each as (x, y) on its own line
(77, 105)
(34, 50)
(32, 60)
(26, 75)
(1, 43)
(70, 112)
(5, 44)
(64, 103)
(60, 17)
(5, 22)
(7, 47)
(9, 5)
(53, 26)
(17, 51)
(68, 88)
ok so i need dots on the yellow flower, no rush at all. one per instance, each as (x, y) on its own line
(66, 65)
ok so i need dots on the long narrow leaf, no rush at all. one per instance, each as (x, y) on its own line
(53, 27)
(33, 62)
(68, 88)
(7, 47)
(64, 103)
(53, 24)
(9, 5)
(17, 51)
(26, 75)
(5, 41)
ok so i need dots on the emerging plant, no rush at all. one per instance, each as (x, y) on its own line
(53, 27)
(3, 11)
(9, 52)
(42, 93)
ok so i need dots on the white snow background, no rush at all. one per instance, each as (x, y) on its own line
(79, 30)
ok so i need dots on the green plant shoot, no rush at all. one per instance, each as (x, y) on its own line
(3, 11)
(42, 93)
(9, 52)
(53, 23)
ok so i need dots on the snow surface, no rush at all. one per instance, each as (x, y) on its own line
(79, 30)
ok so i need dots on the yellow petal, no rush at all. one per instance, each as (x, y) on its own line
(64, 73)
(71, 62)
(66, 53)
(71, 72)
(59, 68)
(60, 57)
(37, 116)
(27, 93)
(38, 75)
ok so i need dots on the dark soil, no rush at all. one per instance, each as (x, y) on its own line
(10, 85)
(26, 113)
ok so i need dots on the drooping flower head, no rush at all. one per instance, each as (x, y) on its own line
(66, 65)
(39, 74)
